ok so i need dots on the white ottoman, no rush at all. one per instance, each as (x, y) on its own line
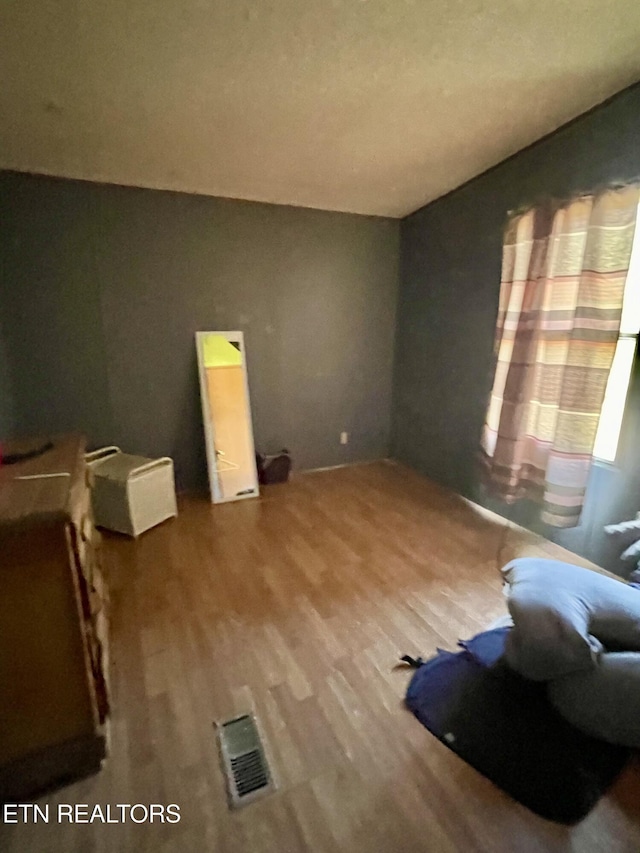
(129, 493)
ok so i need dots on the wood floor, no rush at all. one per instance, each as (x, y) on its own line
(298, 606)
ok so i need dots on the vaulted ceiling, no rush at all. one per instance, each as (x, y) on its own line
(368, 106)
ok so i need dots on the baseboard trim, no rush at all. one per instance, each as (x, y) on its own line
(343, 465)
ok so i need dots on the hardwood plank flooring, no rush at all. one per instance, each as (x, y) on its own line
(297, 606)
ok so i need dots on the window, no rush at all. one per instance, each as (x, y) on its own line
(615, 398)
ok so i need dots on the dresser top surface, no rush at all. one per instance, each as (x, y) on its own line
(40, 490)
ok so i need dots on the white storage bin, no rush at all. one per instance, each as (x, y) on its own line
(129, 493)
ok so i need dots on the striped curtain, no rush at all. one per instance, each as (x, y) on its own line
(563, 278)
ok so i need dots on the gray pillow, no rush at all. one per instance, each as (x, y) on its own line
(604, 701)
(632, 552)
(564, 616)
(625, 533)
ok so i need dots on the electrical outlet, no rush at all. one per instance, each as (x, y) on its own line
(344, 438)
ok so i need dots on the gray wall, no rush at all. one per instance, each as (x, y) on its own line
(450, 278)
(7, 412)
(105, 287)
(7, 418)
(49, 301)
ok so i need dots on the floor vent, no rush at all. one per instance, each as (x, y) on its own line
(244, 760)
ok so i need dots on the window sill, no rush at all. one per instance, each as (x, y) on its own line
(606, 465)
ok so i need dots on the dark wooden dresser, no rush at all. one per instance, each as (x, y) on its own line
(53, 622)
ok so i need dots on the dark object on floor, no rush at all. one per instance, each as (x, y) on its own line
(12, 458)
(504, 726)
(414, 663)
(273, 469)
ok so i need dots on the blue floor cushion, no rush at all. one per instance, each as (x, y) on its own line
(506, 727)
(603, 701)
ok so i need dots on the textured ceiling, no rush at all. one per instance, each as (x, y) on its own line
(370, 106)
